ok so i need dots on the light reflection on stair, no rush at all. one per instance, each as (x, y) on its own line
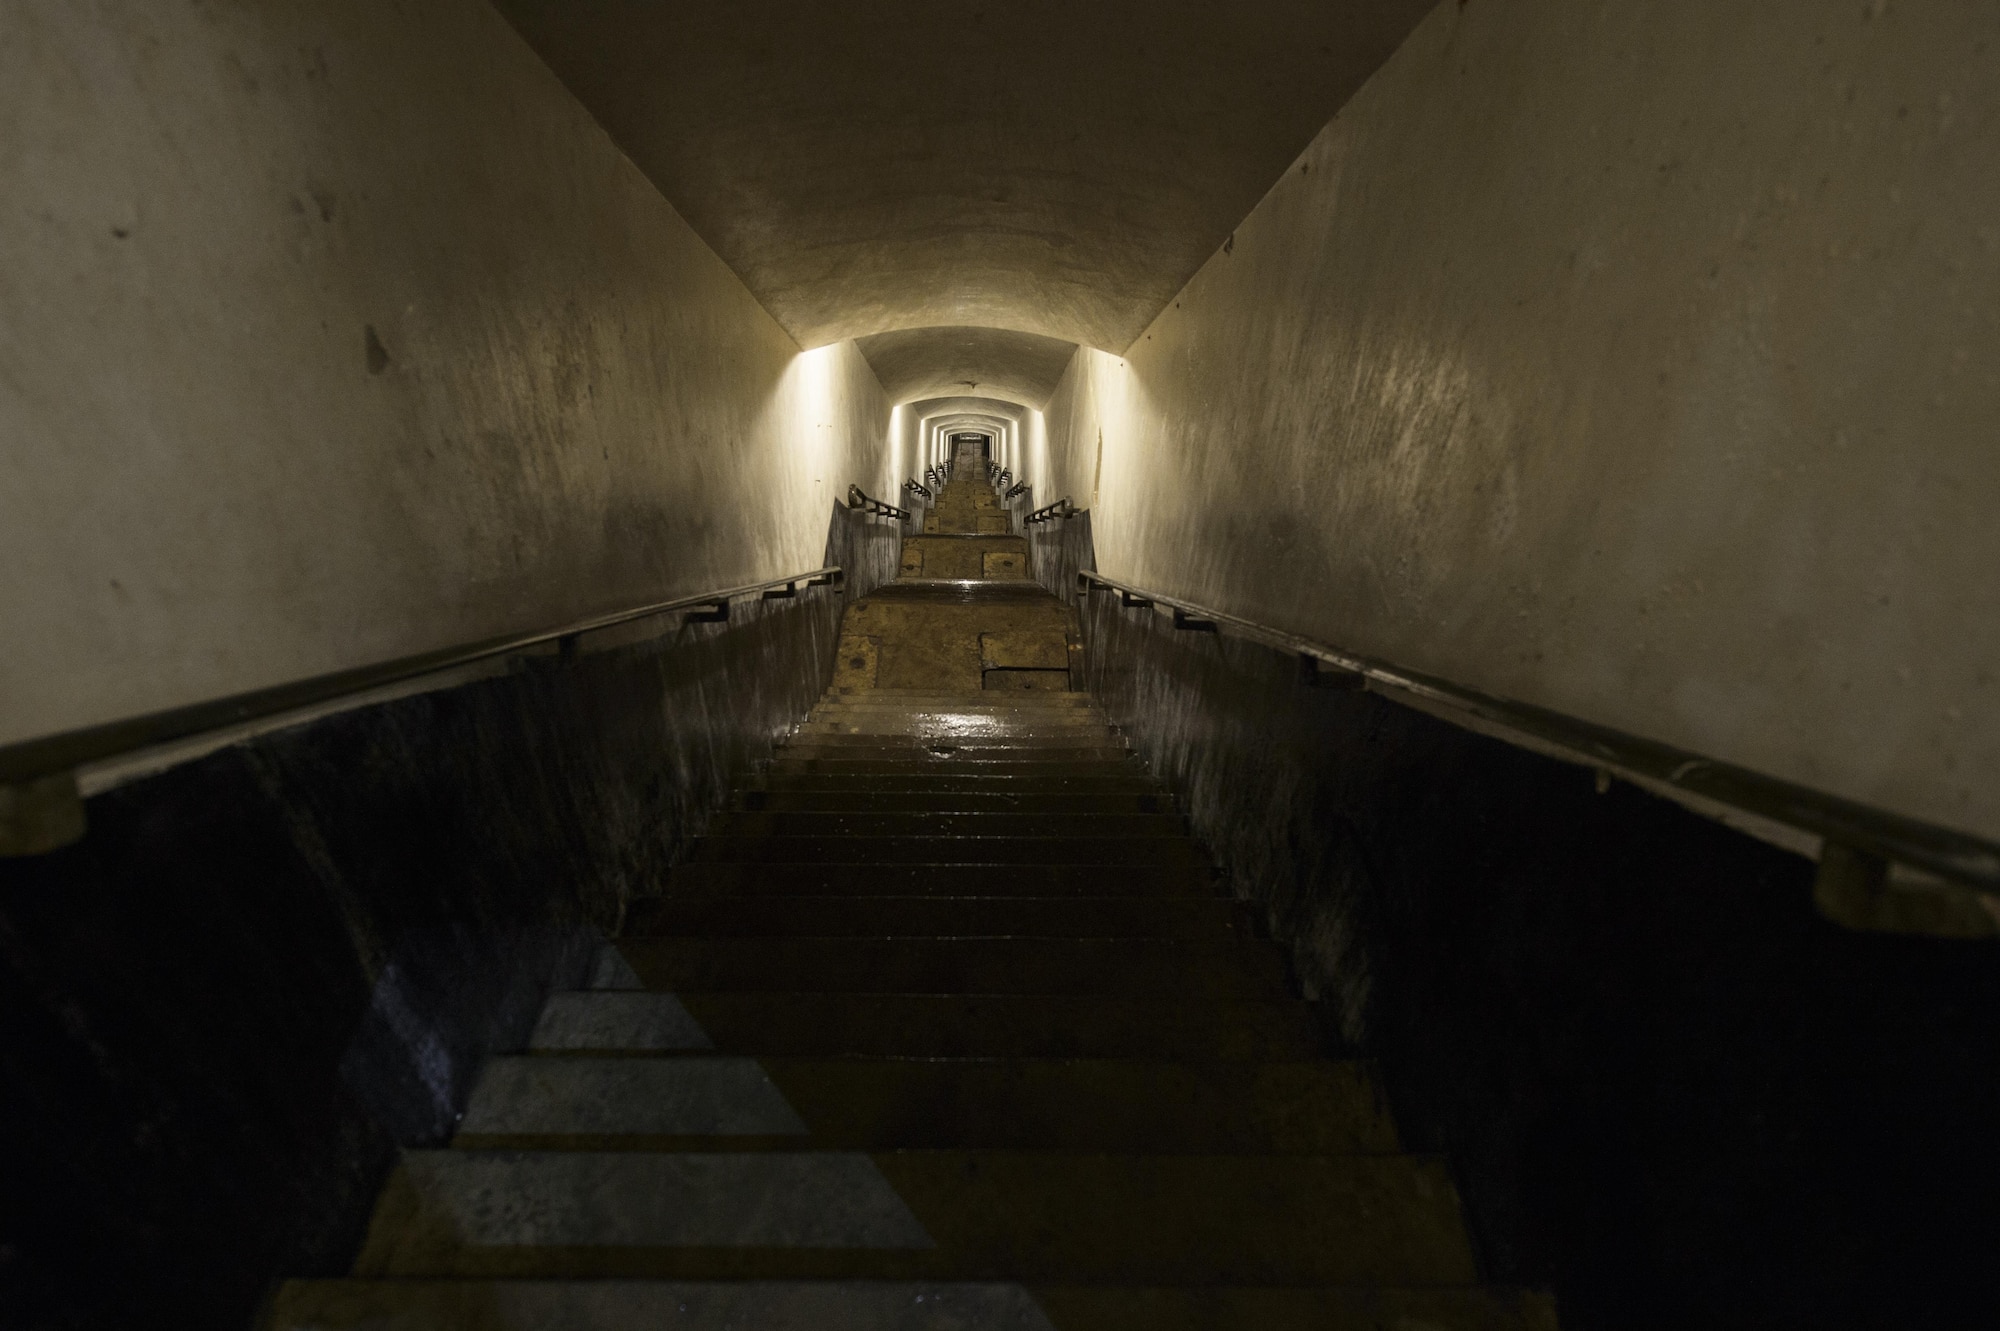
(943, 1026)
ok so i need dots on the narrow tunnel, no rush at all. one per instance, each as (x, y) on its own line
(976, 668)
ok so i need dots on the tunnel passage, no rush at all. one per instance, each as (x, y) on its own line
(945, 1023)
(1572, 364)
(965, 613)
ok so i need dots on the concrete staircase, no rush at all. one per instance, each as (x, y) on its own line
(945, 1025)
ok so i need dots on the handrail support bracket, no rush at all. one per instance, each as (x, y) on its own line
(1187, 623)
(40, 814)
(1315, 673)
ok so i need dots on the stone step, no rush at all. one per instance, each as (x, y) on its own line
(945, 700)
(749, 879)
(1060, 701)
(1043, 767)
(918, 797)
(710, 1101)
(1036, 702)
(930, 728)
(928, 1026)
(924, 824)
(1230, 970)
(630, 1305)
(935, 916)
(1124, 778)
(883, 850)
(651, 1305)
(983, 727)
(918, 742)
(960, 1215)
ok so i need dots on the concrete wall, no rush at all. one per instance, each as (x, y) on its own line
(1633, 358)
(1668, 1089)
(330, 333)
(266, 970)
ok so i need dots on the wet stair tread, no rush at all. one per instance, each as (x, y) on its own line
(626, 1305)
(1076, 732)
(1024, 706)
(1127, 1105)
(939, 824)
(1029, 704)
(1226, 969)
(1125, 779)
(1085, 736)
(960, 1214)
(997, 709)
(930, 1025)
(1053, 765)
(918, 916)
(886, 850)
(948, 697)
(749, 878)
(925, 800)
(1023, 759)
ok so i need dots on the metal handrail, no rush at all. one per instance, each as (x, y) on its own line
(857, 498)
(1942, 851)
(1062, 508)
(916, 489)
(52, 755)
(1018, 490)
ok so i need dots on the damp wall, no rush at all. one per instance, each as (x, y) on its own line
(331, 334)
(335, 333)
(1668, 1090)
(267, 969)
(1633, 358)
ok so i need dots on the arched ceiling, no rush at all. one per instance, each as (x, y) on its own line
(917, 363)
(969, 408)
(947, 415)
(1056, 168)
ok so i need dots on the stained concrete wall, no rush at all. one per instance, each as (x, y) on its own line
(1634, 358)
(330, 333)
(266, 970)
(1668, 1090)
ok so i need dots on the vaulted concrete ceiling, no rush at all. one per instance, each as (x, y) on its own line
(915, 363)
(1052, 167)
(960, 404)
(971, 413)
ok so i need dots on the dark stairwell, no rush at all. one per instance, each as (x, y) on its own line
(1281, 665)
(946, 1023)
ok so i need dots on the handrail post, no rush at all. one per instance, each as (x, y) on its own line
(40, 814)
